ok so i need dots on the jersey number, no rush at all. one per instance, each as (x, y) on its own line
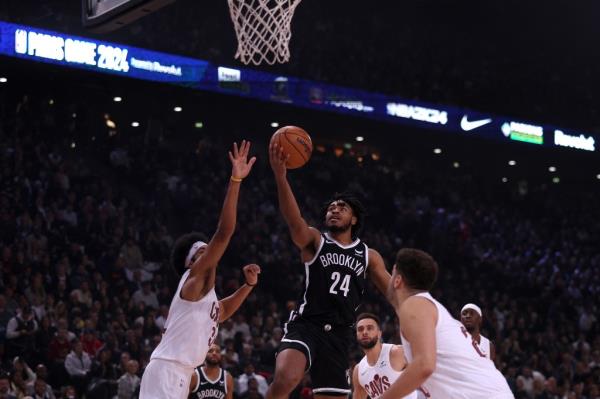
(344, 286)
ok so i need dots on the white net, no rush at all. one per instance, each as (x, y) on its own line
(263, 29)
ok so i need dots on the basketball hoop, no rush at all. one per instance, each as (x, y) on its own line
(263, 29)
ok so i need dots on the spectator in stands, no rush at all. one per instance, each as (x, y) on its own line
(78, 365)
(243, 383)
(22, 368)
(41, 391)
(146, 295)
(68, 392)
(230, 358)
(89, 342)
(129, 382)
(5, 316)
(17, 385)
(60, 346)
(41, 373)
(5, 390)
(20, 333)
(253, 390)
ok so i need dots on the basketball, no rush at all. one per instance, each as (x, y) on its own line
(295, 142)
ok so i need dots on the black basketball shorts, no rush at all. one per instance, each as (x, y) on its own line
(326, 350)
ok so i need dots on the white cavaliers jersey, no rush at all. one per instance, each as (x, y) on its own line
(190, 329)
(460, 371)
(484, 346)
(376, 379)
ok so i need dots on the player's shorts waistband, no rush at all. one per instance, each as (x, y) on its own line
(174, 363)
(321, 323)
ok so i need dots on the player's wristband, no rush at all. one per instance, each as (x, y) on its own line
(250, 285)
(236, 179)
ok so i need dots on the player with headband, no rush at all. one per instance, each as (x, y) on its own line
(195, 311)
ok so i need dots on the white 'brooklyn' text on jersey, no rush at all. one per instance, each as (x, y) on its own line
(190, 329)
(376, 379)
(461, 372)
(335, 282)
(206, 388)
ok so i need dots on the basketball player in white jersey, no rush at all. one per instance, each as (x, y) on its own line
(470, 317)
(440, 353)
(382, 364)
(195, 311)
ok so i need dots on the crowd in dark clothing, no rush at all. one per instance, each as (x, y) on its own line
(85, 238)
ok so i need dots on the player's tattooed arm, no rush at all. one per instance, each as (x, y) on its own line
(378, 272)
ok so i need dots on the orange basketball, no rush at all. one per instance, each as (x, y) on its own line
(296, 142)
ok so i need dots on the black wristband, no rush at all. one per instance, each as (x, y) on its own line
(250, 285)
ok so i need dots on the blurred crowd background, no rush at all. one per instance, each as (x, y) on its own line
(86, 232)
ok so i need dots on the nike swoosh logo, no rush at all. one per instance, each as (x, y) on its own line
(468, 125)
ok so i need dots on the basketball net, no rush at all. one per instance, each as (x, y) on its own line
(263, 29)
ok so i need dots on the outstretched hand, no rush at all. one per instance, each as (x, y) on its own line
(278, 159)
(240, 165)
(251, 273)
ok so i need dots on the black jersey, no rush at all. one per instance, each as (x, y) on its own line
(335, 282)
(208, 388)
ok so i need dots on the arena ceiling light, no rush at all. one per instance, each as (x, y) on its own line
(437, 150)
(552, 169)
(504, 179)
(3, 79)
(178, 109)
(512, 162)
(135, 124)
(274, 124)
(117, 99)
(360, 138)
(598, 176)
(556, 180)
(456, 165)
(198, 125)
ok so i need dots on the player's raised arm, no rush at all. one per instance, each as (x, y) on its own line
(358, 391)
(377, 271)
(233, 302)
(302, 234)
(240, 168)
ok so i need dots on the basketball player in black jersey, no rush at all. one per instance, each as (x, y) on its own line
(210, 380)
(337, 264)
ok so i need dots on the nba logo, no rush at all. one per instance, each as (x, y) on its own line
(20, 41)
